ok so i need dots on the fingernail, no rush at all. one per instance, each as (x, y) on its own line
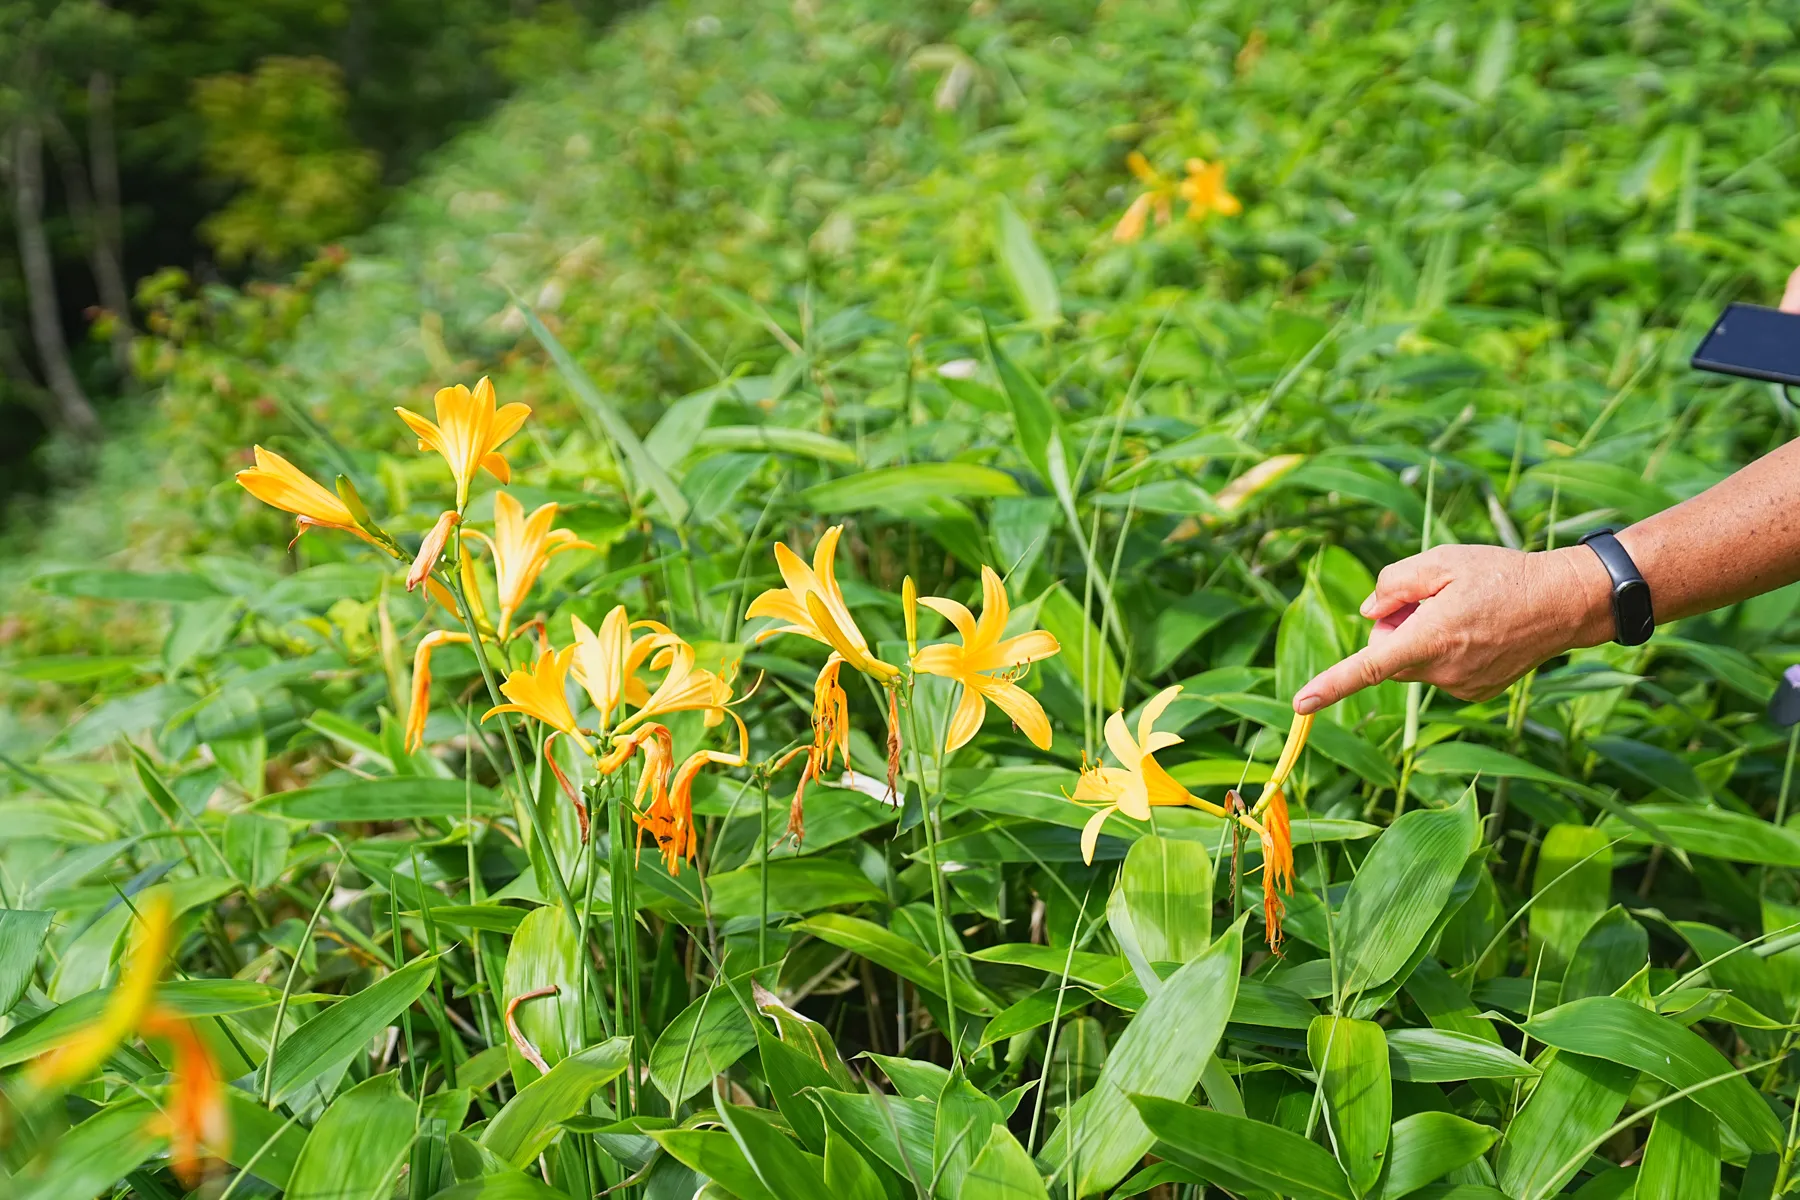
(1368, 606)
(1306, 703)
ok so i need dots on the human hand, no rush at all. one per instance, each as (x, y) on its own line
(1471, 619)
(1790, 300)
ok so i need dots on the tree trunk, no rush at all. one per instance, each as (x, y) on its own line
(109, 234)
(74, 411)
(109, 279)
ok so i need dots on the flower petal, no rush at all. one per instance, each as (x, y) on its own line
(1090, 834)
(994, 608)
(966, 721)
(956, 613)
(1118, 740)
(1024, 710)
(1153, 710)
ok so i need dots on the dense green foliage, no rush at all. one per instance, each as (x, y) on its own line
(815, 264)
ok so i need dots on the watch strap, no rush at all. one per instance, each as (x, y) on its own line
(1634, 617)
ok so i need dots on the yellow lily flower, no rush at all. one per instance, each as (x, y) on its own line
(280, 484)
(421, 683)
(606, 663)
(670, 817)
(1204, 191)
(197, 1115)
(468, 432)
(540, 692)
(812, 606)
(984, 651)
(1139, 782)
(685, 688)
(521, 547)
(1157, 198)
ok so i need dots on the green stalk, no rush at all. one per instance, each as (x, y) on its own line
(463, 611)
(762, 862)
(938, 903)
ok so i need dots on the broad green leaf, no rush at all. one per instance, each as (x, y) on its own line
(515, 1186)
(965, 1119)
(1028, 275)
(1681, 1156)
(356, 1150)
(1713, 832)
(1168, 889)
(399, 798)
(1307, 642)
(1577, 1098)
(887, 949)
(74, 668)
(1580, 858)
(1359, 479)
(70, 822)
(1035, 419)
(803, 1034)
(783, 1168)
(98, 584)
(607, 419)
(189, 997)
(1351, 1058)
(1469, 759)
(341, 1032)
(1162, 1052)
(848, 1175)
(1613, 949)
(90, 1158)
(1003, 1171)
(1603, 485)
(796, 885)
(902, 488)
(21, 938)
(790, 1074)
(715, 1154)
(528, 1123)
(707, 1037)
(1429, 1145)
(1399, 891)
(1083, 966)
(1628, 1034)
(1035, 1010)
(256, 847)
(1653, 766)
(1443, 1055)
(274, 1140)
(894, 1129)
(912, 1077)
(776, 439)
(1242, 1155)
(544, 958)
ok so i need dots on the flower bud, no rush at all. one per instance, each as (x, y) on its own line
(909, 604)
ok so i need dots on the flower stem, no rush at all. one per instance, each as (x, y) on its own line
(938, 904)
(467, 615)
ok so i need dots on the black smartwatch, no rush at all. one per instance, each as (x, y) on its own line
(1634, 620)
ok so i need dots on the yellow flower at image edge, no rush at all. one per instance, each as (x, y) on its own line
(1139, 782)
(468, 432)
(984, 651)
(195, 1114)
(280, 484)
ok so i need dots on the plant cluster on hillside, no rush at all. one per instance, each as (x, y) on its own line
(796, 703)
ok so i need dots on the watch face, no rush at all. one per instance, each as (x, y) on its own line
(1632, 613)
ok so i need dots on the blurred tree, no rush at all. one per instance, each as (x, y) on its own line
(281, 133)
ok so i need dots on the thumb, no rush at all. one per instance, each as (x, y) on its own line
(1369, 666)
(1790, 300)
(1406, 582)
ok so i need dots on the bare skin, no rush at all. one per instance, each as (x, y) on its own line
(1472, 619)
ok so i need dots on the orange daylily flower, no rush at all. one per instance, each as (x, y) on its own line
(432, 549)
(831, 736)
(685, 688)
(1139, 782)
(606, 663)
(468, 432)
(984, 652)
(540, 692)
(813, 606)
(279, 483)
(1204, 191)
(1276, 833)
(421, 683)
(196, 1115)
(521, 547)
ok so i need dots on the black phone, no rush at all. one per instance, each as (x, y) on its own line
(1755, 342)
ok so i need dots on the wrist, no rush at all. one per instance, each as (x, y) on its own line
(1586, 589)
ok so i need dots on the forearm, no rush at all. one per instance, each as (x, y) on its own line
(1737, 539)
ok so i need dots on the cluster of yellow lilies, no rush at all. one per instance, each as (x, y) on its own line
(629, 713)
